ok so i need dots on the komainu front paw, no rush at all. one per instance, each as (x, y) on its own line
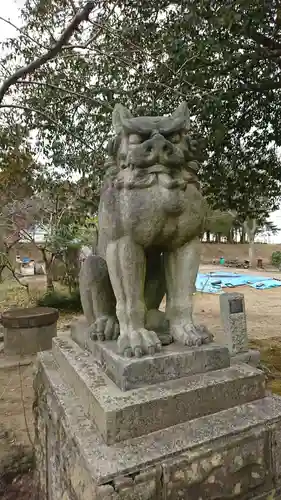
(104, 328)
(138, 343)
(205, 334)
(190, 334)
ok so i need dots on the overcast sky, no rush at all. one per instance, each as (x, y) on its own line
(10, 11)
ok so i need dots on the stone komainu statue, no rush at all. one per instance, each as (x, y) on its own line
(151, 214)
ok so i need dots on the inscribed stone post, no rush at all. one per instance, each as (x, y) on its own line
(233, 318)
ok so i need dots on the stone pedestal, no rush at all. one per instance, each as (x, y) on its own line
(29, 330)
(184, 424)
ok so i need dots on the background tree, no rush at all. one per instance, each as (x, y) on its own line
(18, 174)
(58, 212)
(222, 57)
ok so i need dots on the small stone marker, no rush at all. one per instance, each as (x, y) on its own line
(233, 317)
(234, 334)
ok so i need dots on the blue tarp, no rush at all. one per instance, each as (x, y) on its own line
(215, 282)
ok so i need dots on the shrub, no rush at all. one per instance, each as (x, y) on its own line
(276, 259)
(61, 301)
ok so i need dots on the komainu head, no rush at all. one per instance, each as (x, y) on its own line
(153, 143)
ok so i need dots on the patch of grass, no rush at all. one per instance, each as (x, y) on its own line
(61, 301)
(275, 386)
(270, 350)
(13, 295)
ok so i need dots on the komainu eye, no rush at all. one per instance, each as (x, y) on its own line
(175, 138)
(135, 139)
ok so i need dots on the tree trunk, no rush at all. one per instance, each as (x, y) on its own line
(48, 267)
(208, 236)
(50, 284)
(252, 259)
(251, 227)
(230, 238)
(1, 273)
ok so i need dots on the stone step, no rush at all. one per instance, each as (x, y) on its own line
(173, 362)
(123, 415)
(229, 443)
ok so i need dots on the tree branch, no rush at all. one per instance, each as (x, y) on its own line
(259, 38)
(49, 118)
(67, 91)
(22, 32)
(260, 87)
(81, 16)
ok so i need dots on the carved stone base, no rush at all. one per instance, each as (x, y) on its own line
(95, 442)
(231, 454)
(122, 415)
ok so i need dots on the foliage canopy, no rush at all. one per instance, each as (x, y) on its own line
(223, 57)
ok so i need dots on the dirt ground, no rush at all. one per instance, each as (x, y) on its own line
(263, 310)
(16, 433)
(263, 307)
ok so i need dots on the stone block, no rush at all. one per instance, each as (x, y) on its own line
(29, 317)
(78, 331)
(228, 454)
(123, 415)
(26, 341)
(251, 357)
(29, 330)
(222, 472)
(233, 318)
(175, 361)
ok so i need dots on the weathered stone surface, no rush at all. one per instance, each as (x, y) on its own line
(122, 415)
(79, 331)
(151, 215)
(216, 456)
(29, 317)
(251, 357)
(233, 317)
(27, 341)
(29, 330)
(173, 362)
(276, 453)
(233, 470)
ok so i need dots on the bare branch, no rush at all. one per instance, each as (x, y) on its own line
(82, 15)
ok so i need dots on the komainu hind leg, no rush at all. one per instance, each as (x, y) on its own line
(181, 266)
(155, 282)
(126, 262)
(97, 298)
(154, 292)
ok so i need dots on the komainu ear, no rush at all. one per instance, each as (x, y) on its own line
(119, 114)
(182, 114)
